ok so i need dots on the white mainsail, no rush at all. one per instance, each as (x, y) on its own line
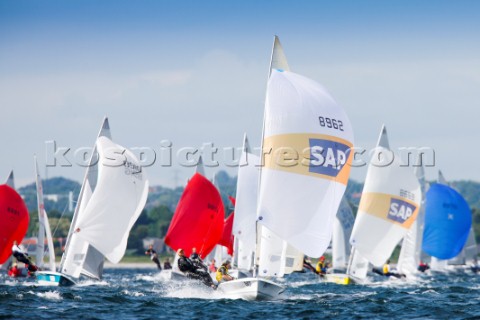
(43, 227)
(411, 252)
(389, 205)
(246, 206)
(112, 197)
(342, 230)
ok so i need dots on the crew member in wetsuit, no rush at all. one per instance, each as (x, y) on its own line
(222, 273)
(167, 265)
(22, 256)
(153, 256)
(197, 261)
(189, 268)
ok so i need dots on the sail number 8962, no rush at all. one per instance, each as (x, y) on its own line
(331, 123)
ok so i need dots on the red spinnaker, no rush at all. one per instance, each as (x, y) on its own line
(13, 220)
(198, 219)
(227, 236)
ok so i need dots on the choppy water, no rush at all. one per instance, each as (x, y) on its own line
(143, 294)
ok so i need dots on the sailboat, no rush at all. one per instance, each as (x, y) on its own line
(297, 203)
(198, 219)
(388, 207)
(113, 194)
(411, 251)
(43, 228)
(13, 219)
(244, 227)
(447, 223)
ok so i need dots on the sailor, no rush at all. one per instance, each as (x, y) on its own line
(14, 271)
(422, 267)
(386, 268)
(197, 261)
(222, 273)
(20, 254)
(307, 264)
(212, 267)
(166, 264)
(153, 256)
(188, 267)
(321, 266)
(386, 271)
(475, 267)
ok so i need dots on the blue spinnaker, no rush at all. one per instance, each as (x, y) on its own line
(447, 222)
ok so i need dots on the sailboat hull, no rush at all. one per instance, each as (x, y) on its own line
(337, 278)
(251, 289)
(56, 279)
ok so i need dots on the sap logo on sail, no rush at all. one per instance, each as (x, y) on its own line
(400, 210)
(327, 157)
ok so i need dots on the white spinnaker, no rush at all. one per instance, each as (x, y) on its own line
(79, 257)
(411, 252)
(43, 227)
(389, 205)
(246, 206)
(295, 203)
(116, 203)
(342, 230)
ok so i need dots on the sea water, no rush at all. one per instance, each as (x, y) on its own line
(145, 294)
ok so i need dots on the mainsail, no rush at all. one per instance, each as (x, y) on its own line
(13, 218)
(342, 229)
(246, 206)
(199, 218)
(112, 197)
(389, 205)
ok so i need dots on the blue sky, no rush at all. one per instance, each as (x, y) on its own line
(194, 72)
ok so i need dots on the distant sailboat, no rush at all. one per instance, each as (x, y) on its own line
(447, 223)
(43, 228)
(13, 218)
(389, 206)
(114, 189)
(411, 252)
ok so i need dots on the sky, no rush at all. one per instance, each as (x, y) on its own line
(189, 73)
